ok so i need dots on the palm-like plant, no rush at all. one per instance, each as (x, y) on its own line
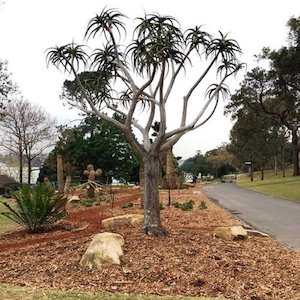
(36, 207)
(69, 56)
(142, 75)
(157, 42)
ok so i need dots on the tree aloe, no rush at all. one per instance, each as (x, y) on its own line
(143, 75)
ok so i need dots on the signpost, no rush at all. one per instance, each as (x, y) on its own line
(249, 163)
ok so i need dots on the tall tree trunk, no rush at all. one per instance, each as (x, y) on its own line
(262, 172)
(283, 160)
(295, 147)
(275, 165)
(20, 163)
(29, 171)
(152, 222)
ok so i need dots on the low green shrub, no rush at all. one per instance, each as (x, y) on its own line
(36, 207)
(127, 205)
(88, 203)
(188, 205)
(203, 205)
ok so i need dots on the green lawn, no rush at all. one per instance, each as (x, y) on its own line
(5, 223)
(15, 293)
(276, 185)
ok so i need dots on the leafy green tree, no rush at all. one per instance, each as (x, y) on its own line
(196, 164)
(220, 161)
(143, 75)
(94, 142)
(255, 138)
(216, 162)
(274, 93)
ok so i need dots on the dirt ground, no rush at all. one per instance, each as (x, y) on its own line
(189, 261)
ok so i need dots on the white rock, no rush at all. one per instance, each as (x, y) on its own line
(127, 220)
(74, 198)
(231, 233)
(105, 249)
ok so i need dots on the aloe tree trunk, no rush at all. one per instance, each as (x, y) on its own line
(152, 222)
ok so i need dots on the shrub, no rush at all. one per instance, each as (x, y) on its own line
(203, 205)
(188, 205)
(127, 205)
(88, 203)
(36, 207)
(161, 206)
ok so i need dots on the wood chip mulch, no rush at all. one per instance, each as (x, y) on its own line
(190, 261)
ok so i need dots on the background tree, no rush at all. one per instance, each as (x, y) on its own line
(254, 138)
(144, 73)
(220, 161)
(274, 93)
(195, 165)
(27, 131)
(94, 142)
(6, 86)
(216, 162)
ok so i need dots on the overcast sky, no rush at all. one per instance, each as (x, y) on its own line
(29, 27)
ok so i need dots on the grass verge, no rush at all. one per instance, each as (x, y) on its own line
(285, 187)
(5, 223)
(15, 293)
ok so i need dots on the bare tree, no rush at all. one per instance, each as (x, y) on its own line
(145, 73)
(27, 131)
(7, 87)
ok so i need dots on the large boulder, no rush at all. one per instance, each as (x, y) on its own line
(231, 233)
(104, 250)
(124, 220)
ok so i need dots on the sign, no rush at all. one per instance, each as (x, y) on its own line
(248, 163)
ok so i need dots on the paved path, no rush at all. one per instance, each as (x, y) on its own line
(278, 217)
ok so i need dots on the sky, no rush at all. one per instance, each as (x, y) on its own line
(29, 27)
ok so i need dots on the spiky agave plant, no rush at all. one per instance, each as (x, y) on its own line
(36, 207)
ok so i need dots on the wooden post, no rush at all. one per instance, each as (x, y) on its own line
(60, 175)
(170, 173)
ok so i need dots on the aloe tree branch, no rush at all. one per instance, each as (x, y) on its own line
(135, 97)
(175, 73)
(120, 64)
(189, 93)
(162, 108)
(193, 125)
(134, 123)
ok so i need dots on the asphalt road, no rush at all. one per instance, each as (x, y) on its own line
(278, 217)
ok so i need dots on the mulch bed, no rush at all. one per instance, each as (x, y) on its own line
(189, 261)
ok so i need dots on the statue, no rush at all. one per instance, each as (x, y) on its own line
(92, 174)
